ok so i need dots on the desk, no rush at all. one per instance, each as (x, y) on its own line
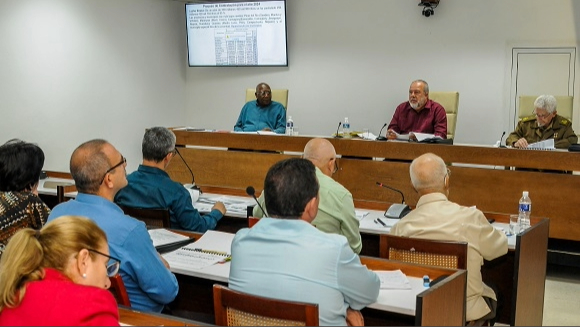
(448, 296)
(133, 317)
(477, 172)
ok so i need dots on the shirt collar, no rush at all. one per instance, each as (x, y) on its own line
(430, 198)
(152, 170)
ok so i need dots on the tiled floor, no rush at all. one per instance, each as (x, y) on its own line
(562, 298)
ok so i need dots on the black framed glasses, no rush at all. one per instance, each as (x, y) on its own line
(123, 161)
(113, 264)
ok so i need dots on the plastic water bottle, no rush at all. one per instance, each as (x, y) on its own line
(346, 128)
(289, 126)
(525, 209)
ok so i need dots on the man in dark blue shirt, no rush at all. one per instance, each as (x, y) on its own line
(262, 114)
(151, 187)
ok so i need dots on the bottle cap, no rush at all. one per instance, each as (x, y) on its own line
(525, 193)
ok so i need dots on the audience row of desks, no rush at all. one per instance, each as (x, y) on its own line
(480, 175)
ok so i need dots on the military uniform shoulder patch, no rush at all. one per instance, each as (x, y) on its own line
(564, 122)
(529, 118)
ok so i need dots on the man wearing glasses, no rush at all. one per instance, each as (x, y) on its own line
(151, 187)
(437, 218)
(262, 114)
(98, 170)
(542, 125)
(336, 213)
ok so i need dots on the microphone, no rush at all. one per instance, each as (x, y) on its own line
(252, 192)
(382, 138)
(193, 186)
(500, 140)
(396, 211)
(336, 135)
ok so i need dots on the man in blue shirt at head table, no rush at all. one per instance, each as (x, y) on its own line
(262, 114)
(150, 187)
(285, 257)
(98, 170)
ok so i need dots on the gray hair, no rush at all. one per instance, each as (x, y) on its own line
(425, 85)
(88, 165)
(157, 143)
(428, 172)
(546, 102)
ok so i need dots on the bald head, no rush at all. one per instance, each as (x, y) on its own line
(321, 153)
(89, 163)
(428, 173)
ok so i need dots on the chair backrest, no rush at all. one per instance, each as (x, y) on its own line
(449, 101)
(446, 254)
(151, 217)
(234, 308)
(252, 221)
(61, 190)
(564, 108)
(278, 95)
(119, 291)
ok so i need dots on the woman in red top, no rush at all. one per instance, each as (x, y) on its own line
(58, 276)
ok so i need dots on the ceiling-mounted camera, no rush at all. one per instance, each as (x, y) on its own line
(428, 7)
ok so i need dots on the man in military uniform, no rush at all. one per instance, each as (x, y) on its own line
(544, 124)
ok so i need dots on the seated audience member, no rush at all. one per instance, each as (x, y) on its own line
(262, 114)
(20, 206)
(435, 217)
(336, 208)
(283, 256)
(58, 276)
(419, 114)
(98, 170)
(542, 125)
(151, 187)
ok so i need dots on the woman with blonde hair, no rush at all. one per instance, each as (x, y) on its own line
(58, 275)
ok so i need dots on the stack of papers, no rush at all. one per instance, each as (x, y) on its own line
(163, 236)
(393, 280)
(542, 145)
(211, 248)
(233, 206)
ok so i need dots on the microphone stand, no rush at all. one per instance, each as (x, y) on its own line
(396, 210)
(500, 140)
(382, 138)
(252, 192)
(336, 135)
(193, 186)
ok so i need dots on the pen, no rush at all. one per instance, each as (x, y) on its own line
(382, 223)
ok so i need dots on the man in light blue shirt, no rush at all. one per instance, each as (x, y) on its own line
(99, 173)
(262, 114)
(285, 257)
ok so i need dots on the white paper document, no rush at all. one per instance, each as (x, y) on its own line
(234, 205)
(542, 145)
(162, 236)
(393, 280)
(213, 247)
(360, 214)
(367, 136)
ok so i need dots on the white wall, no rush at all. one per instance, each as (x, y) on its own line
(73, 70)
(357, 59)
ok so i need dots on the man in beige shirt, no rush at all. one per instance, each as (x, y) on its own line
(435, 217)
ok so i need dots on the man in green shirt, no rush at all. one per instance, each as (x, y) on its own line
(336, 208)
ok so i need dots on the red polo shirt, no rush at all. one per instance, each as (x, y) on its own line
(431, 119)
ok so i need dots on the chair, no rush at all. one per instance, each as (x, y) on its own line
(234, 308)
(61, 190)
(445, 254)
(278, 95)
(564, 108)
(151, 217)
(252, 221)
(449, 101)
(119, 291)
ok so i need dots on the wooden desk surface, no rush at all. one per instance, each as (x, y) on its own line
(128, 316)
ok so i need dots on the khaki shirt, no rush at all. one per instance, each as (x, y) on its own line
(560, 129)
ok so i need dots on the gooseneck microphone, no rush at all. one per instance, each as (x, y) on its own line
(336, 135)
(193, 186)
(380, 137)
(396, 211)
(252, 192)
(501, 145)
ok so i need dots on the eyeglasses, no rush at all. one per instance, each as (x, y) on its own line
(542, 116)
(123, 161)
(446, 175)
(264, 93)
(174, 151)
(113, 264)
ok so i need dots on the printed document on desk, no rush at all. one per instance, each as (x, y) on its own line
(236, 205)
(393, 280)
(162, 236)
(211, 248)
(542, 145)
